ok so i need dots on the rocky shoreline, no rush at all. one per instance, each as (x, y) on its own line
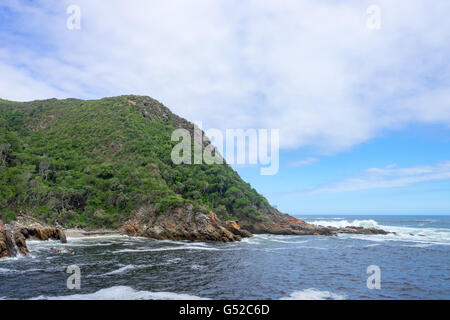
(188, 224)
(13, 236)
(184, 224)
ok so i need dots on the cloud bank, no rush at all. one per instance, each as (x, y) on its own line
(388, 177)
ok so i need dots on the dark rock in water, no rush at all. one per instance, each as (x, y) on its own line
(13, 236)
(360, 230)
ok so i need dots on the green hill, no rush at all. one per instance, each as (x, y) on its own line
(94, 164)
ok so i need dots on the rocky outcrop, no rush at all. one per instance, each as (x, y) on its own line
(285, 225)
(234, 228)
(189, 224)
(288, 225)
(183, 224)
(359, 230)
(7, 245)
(44, 233)
(13, 236)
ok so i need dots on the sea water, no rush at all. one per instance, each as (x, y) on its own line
(414, 263)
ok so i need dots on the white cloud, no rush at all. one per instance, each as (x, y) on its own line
(310, 68)
(19, 84)
(388, 177)
(304, 162)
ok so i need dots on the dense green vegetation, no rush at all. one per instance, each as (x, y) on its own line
(94, 163)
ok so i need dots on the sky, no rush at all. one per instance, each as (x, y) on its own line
(363, 109)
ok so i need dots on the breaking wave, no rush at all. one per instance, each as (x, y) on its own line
(169, 249)
(123, 293)
(314, 294)
(440, 236)
(344, 223)
(121, 270)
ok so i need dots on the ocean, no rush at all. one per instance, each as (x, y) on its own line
(413, 263)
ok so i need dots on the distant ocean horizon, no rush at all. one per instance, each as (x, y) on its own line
(414, 261)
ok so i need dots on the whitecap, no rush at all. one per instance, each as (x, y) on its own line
(4, 270)
(167, 249)
(121, 270)
(174, 260)
(197, 267)
(123, 293)
(314, 294)
(369, 223)
(439, 236)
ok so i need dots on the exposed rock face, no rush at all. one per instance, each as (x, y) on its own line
(7, 245)
(183, 224)
(187, 224)
(287, 225)
(13, 236)
(360, 230)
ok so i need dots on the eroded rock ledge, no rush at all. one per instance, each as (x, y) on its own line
(287, 225)
(187, 224)
(13, 236)
(184, 224)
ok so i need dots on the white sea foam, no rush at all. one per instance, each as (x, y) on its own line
(4, 270)
(197, 267)
(344, 223)
(168, 249)
(262, 238)
(99, 237)
(121, 270)
(174, 260)
(314, 294)
(439, 236)
(123, 293)
(127, 268)
(294, 242)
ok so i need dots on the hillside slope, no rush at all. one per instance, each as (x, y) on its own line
(106, 164)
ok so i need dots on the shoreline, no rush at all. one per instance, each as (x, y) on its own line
(81, 233)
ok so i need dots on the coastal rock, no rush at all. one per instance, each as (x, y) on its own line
(361, 230)
(44, 234)
(19, 240)
(287, 225)
(234, 228)
(7, 246)
(188, 224)
(183, 224)
(13, 236)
